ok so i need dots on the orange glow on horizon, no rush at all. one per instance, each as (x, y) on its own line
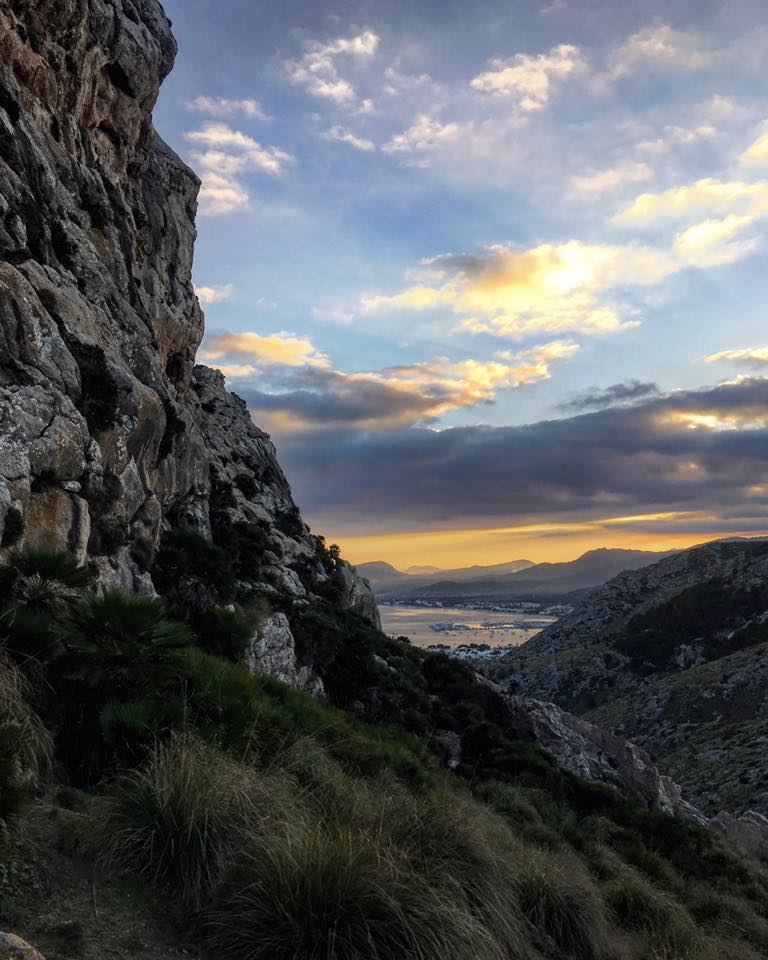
(535, 542)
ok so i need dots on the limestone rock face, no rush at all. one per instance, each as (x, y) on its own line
(272, 651)
(596, 755)
(109, 433)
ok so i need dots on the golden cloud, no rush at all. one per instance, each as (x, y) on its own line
(550, 288)
(310, 391)
(748, 357)
(758, 152)
(707, 194)
(277, 349)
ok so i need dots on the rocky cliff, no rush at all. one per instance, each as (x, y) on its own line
(672, 657)
(109, 433)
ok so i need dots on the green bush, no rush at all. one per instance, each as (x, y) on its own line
(123, 643)
(224, 632)
(187, 562)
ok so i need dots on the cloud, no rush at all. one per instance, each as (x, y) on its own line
(394, 397)
(317, 70)
(710, 243)
(345, 136)
(618, 393)
(227, 157)
(657, 47)
(423, 137)
(549, 288)
(277, 349)
(673, 136)
(244, 151)
(611, 178)
(706, 194)
(215, 294)
(220, 194)
(755, 357)
(222, 107)
(702, 452)
(528, 80)
(758, 152)
(297, 385)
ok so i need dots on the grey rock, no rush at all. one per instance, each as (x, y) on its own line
(109, 433)
(14, 948)
(749, 832)
(272, 651)
(596, 755)
(447, 745)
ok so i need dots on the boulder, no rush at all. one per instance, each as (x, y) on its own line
(14, 948)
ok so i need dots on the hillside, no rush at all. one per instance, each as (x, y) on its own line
(534, 581)
(384, 578)
(207, 747)
(673, 657)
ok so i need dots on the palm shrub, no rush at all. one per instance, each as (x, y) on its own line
(121, 650)
(124, 643)
(38, 589)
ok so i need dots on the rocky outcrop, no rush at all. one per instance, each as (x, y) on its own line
(109, 433)
(14, 948)
(596, 755)
(272, 651)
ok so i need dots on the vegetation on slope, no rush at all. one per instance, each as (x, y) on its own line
(284, 827)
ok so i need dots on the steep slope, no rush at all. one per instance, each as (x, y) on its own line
(673, 657)
(109, 433)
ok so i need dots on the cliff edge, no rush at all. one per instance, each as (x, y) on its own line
(109, 432)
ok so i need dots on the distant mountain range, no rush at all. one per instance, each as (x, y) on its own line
(516, 579)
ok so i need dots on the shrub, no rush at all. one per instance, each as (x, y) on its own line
(124, 643)
(224, 632)
(33, 575)
(454, 837)
(187, 562)
(25, 745)
(175, 820)
(325, 894)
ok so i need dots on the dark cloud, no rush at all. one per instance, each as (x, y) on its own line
(597, 398)
(650, 457)
(323, 399)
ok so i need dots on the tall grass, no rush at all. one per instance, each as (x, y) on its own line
(177, 819)
(25, 744)
(315, 893)
(559, 898)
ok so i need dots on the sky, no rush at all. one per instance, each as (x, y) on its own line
(492, 275)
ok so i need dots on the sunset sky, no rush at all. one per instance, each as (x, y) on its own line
(493, 275)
